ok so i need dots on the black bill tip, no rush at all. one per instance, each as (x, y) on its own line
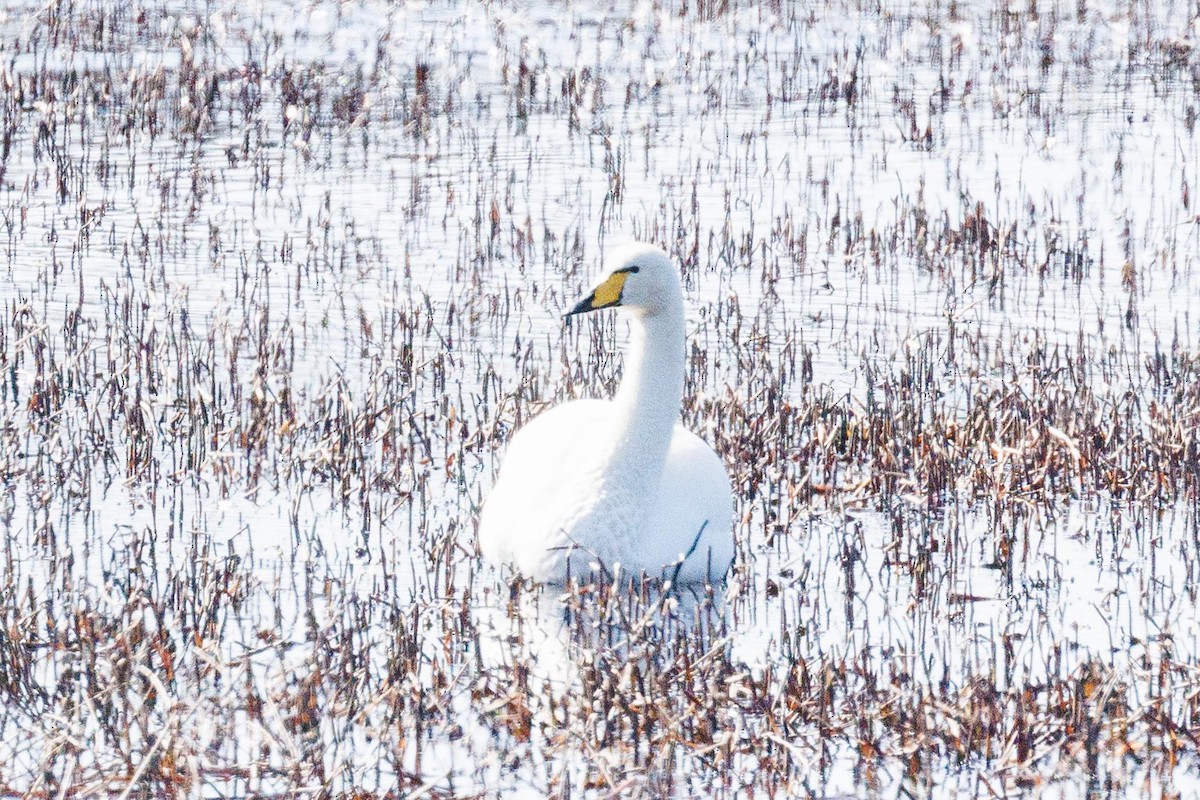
(582, 307)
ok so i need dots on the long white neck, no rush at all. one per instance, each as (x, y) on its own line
(651, 390)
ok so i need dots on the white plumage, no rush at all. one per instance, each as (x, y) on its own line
(620, 481)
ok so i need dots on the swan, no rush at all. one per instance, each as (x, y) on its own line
(617, 482)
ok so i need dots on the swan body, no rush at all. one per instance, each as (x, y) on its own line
(617, 482)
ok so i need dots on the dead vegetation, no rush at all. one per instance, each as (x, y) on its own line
(276, 290)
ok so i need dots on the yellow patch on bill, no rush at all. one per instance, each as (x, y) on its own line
(609, 292)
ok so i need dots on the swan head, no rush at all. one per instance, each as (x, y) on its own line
(638, 277)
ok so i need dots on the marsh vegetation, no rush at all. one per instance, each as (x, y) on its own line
(279, 282)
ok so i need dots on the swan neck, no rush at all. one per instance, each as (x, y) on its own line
(652, 387)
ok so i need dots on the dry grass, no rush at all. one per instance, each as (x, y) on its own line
(278, 286)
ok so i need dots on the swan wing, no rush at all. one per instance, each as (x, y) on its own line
(541, 463)
(693, 515)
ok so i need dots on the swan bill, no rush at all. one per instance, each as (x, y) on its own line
(606, 295)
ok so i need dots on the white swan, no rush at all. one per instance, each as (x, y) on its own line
(617, 482)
